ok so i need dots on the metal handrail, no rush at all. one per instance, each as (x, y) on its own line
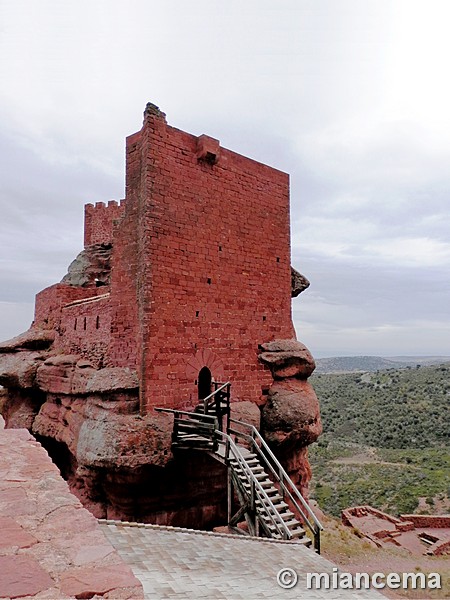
(259, 444)
(283, 477)
(212, 394)
(254, 481)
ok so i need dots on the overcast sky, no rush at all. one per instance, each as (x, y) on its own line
(351, 97)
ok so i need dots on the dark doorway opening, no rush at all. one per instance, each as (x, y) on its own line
(204, 383)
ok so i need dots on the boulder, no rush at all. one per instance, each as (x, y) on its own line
(56, 374)
(113, 441)
(291, 414)
(68, 374)
(291, 345)
(91, 267)
(287, 358)
(112, 379)
(246, 411)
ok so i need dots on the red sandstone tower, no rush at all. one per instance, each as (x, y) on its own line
(200, 269)
(185, 282)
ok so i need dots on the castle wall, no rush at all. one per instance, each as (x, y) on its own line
(212, 262)
(49, 303)
(81, 318)
(86, 329)
(126, 329)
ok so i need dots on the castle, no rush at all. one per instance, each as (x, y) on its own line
(179, 286)
(199, 271)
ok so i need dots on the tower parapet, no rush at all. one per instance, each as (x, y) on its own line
(100, 220)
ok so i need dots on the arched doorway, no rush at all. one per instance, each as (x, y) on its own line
(204, 383)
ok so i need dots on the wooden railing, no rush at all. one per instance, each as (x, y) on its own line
(193, 430)
(218, 402)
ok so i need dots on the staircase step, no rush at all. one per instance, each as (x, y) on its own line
(267, 486)
(193, 440)
(286, 515)
(297, 532)
(257, 470)
(259, 475)
(301, 537)
(193, 437)
(290, 521)
(279, 504)
(250, 460)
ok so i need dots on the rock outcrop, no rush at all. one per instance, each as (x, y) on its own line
(117, 462)
(92, 266)
(299, 283)
(290, 417)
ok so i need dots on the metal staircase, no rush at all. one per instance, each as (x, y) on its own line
(258, 486)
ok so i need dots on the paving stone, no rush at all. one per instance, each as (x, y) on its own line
(22, 576)
(188, 564)
(50, 546)
(13, 535)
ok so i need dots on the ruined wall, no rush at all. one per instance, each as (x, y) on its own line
(212, 263)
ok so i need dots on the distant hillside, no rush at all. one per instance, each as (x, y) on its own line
(358, 364)
(386, 440)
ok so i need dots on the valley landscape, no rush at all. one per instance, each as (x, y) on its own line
(385, 440)
(385, 443)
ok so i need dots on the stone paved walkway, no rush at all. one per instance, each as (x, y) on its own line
(188, 564)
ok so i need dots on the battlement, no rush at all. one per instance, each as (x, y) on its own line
(100, 220)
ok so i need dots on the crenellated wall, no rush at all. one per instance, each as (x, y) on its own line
(200, 267)
(100, 221)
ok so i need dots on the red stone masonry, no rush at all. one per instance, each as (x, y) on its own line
(49, 303)
(200, 269)
(209, 265)
(86, 327)
(430, 521)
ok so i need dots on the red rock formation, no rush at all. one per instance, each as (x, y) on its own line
(290, 419)
(172, 281)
